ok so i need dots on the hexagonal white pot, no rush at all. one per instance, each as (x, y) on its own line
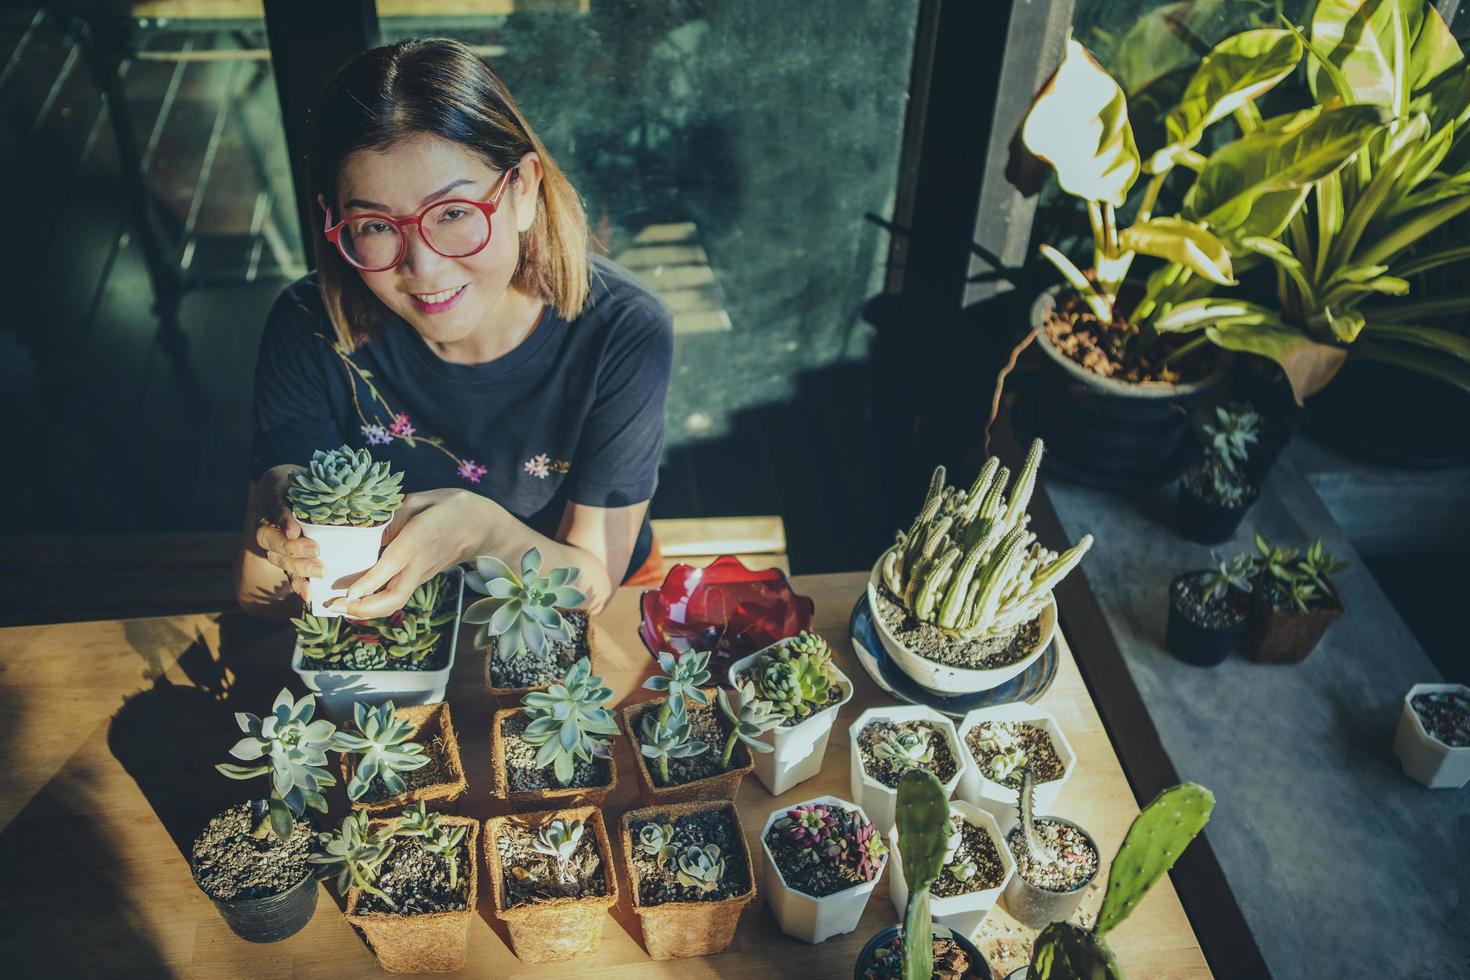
(1425, 759)
(942, 678)
(345, 552)
(962, 913)
(876, 799)
(977, 788)
(797, 749)
(806, 917)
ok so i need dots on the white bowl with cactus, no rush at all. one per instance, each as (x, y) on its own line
(981, 783)
(344, 502)
(963, 601)
(805, 690)
(876, 798)
(966, 911)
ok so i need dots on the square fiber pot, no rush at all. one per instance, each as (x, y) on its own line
(676, 929)
(721, 786)
(1276, 637)
(555, 928)
(434, 943)
(428, 719)
(556, 796)
(511, 696)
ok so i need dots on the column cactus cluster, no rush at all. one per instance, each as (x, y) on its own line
(969, 565)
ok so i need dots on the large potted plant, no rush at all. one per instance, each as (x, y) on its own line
(962, 602)
(823, 859)
(556, 748)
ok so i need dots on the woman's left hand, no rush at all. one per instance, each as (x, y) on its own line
(430, 532)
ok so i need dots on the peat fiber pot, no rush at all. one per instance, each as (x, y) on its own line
(1108, 433)
(555, 928)
(720, 786)
(429, 720)
(555, 796)
(1277, 637)
(436, 942)
(509, 697)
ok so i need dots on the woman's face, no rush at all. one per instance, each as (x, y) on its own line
(444, 298)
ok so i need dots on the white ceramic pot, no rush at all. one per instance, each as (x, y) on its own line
(941, 678)
(338, 690)
(346, 552)
(805, 917)
(962, 913)
(798, 749)
(1427, 760)
(1000, 800)
(876, 799)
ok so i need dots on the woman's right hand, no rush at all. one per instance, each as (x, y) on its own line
(279, 534)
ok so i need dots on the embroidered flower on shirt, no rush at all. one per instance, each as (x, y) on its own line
(376, 435)
(402, 426)
(470, 470)
(538, 466)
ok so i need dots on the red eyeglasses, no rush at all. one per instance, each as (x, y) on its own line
(455, 228)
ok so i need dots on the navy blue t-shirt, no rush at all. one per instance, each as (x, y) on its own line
(575, 413)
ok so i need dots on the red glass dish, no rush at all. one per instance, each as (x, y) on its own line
(724, 607)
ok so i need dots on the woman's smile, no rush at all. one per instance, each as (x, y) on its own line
(440, 302)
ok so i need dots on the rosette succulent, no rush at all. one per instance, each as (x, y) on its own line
(558, 839)
(681, 679)
(700, 867)
(753, 718)
(296, 751)
(657, 841)
(383, 741)
(868, 850)
(436, 836)
(830, 836)
(906, 748)
(323, 638)
(360, 851)
(797, 677)
(1006, 763)
(808, 827)
(661, 739)
(565, 720)
(345, 487)
(525, 609)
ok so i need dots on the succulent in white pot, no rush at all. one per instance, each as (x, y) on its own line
(344, 502)
(806, 690)
(999, 741)
(1433, 740)
(823, 858)
(976, 868)
(889, 741)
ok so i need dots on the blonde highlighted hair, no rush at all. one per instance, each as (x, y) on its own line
(441, 88)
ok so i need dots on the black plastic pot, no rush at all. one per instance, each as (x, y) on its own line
(274, 917)
(1202, 646)
(981, 969)
(1207, 522)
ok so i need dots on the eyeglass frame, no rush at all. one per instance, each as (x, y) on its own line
(488, 208)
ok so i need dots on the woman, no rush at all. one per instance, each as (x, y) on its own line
(458, 327)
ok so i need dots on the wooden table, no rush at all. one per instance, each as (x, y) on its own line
(111, 730)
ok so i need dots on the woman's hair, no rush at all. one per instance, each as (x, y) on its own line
(442, 88)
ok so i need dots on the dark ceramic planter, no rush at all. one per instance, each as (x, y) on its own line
(274, 917)
(980, 969)
(1207, 522)
(1276, 637)
(1192, 643)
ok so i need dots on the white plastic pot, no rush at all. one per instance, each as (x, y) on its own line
(1427, 760)
(962, 913)
(806, 917)
(1000, 800)
(345, 553)
(338, 690)
(942, 678)
(876, 799)
(798, 749)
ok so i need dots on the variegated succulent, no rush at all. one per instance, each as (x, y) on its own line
(295, 748)
(906, 748)
(436, 836)
(566, 719)
(384, 742)
(360, 850)
(345, 487)
(523, 610)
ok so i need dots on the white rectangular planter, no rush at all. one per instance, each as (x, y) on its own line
(962, 913)
(1426, 759)
(875, 798)
(806, 917)
(345, 553)
(977, 788)
(338, 690)
(798, 749)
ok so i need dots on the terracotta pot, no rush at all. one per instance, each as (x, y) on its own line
(428, 720)
(434, 943)
(721, 786)
(676, 929)
(511, 696)
(555, 928)
(1277, 637)
(542, 798)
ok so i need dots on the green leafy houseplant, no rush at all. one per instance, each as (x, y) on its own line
(344, 487)
(523, 609)
(295, 748)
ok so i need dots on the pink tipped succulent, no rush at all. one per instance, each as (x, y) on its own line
(869, 848)
(809, 826)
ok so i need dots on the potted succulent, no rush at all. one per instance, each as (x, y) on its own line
(403, 756)
(551, 881)
(405, 658)
(1055, 862)
(974, 872)
(823, 858)
(411, 885)
(962, 602)
(252, 859)
(1209, 611)
(889, 741)
(1158, 835)
(344, 502)
(689, 875)
(797, 677)
(997, 743)
(529, 627)
(687, 747)
(921, 948)
(1294, 602)
(1433, 740)
(555, 749)
(1215, 493)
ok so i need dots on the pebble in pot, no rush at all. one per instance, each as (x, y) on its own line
(1209, 611)
(1433, 740)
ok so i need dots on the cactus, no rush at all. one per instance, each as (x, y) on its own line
(386, 750)
(968, 566)
(922, 813)
(1159, 834)
(525, 609)
(748, 722)
(1026, 804)
(344, 487)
